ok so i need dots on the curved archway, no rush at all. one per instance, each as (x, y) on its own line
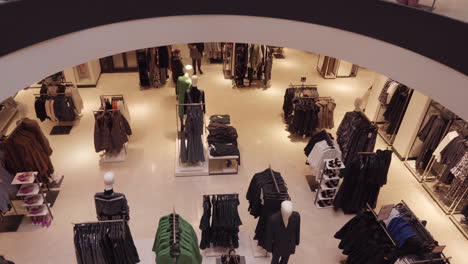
(432, 78)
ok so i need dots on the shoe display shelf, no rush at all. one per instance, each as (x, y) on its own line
(328, 185)
(34, 198)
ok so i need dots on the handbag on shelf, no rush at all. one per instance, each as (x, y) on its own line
(230, 258)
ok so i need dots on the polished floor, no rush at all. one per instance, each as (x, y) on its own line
(147, 176)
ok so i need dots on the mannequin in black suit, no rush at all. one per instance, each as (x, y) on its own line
(283, 233)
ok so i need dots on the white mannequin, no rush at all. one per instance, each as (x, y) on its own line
(188, 70)
(358, 104)
(286, 211)
(109, 179)
(194, 81)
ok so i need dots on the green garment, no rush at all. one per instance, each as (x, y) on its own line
(190, 253)
(184, 83)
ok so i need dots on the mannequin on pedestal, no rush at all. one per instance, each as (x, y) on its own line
(195, 95)
(283, 233)
(109, 204)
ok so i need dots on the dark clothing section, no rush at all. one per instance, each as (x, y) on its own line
(266, 183)
(364, 241)
(396, 108)
(62, 107)
(282, 239)
(225, 221)
(111, 206)
(430, 135)
(355, 134)
(28, 149)
(191, 149)
(111, 131)
(451, 155)
(252, 62)
(291, 93)
(104, 243)
(163, 57)
(304, 118)
(363, 178)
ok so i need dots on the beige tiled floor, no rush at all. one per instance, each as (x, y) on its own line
(147, 177)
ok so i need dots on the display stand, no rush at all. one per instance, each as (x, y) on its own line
(190, 169)
(34, 198)
(108, 157)
(410, 160)
(223, 165)
(460, 221)
(327, 175)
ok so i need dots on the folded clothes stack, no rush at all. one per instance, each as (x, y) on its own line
(222, 137)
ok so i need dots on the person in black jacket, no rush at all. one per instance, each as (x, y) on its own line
(177, 66)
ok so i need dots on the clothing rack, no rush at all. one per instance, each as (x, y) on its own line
(99, 222)
(274, 178)
(222, 194)
(380, 223)
(175, 248)
(422, 229)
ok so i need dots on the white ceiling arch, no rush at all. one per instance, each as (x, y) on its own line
(445, 85)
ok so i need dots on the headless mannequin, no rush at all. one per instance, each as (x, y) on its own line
(358, 105)
(181, 93)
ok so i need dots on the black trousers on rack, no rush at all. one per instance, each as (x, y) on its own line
(277, 259)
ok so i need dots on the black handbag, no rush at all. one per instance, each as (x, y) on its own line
(230, 258)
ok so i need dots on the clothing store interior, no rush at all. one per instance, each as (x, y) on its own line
(230, 153)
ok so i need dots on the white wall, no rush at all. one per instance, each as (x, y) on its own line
(26, 66)
(411, 123)
(373, 103)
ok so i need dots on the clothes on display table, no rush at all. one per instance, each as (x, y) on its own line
(355, 134)
(111, 131)
(363, 178)
(221, 133)
(430, 135)
(191, 144)
(225, 221)
(282, 239)
(104, 243)
(186, 240)
(222, 137)
(397, 108)
(451, 155)
(28, 149)
(323, 150)
(111, 206)
(220, 119)
(263, 183)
